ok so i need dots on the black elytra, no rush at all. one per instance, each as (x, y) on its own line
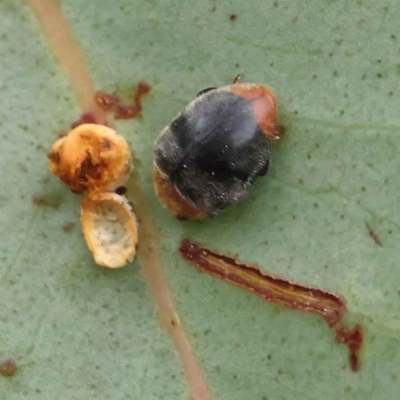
(214, 150)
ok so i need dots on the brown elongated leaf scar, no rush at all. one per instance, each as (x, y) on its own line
(374, 236)
(331, 307)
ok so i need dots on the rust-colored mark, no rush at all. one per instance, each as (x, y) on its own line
(233, 17)
(331, 307)
(85, 118)
(68, 227)
(112, 103)
(374, 236)
(8, 368)
(59, 37)
(47, 200)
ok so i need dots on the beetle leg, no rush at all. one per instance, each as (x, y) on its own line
(236, 79)
(264, 170)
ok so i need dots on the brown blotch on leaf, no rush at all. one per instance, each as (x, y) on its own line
(112, 102)
(233, 17)
(8, 368)
(106, 101)
(47, 200)
(331, 307)
(68, 227)
(85, 118)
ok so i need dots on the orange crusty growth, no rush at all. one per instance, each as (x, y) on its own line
(110, 228)
(95, 159)
(91, 157)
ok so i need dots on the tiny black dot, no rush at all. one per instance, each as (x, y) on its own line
(121, 190)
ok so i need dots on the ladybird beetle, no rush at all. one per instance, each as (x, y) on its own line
(212, 152)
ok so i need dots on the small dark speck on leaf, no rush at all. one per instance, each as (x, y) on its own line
(393, 36)
(379, 75)
(8, 368)
(233, 17)
(68, 227)
(47, 200)
(391, 93)
(374, 236)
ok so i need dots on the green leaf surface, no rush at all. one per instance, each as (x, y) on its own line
(78, 331)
